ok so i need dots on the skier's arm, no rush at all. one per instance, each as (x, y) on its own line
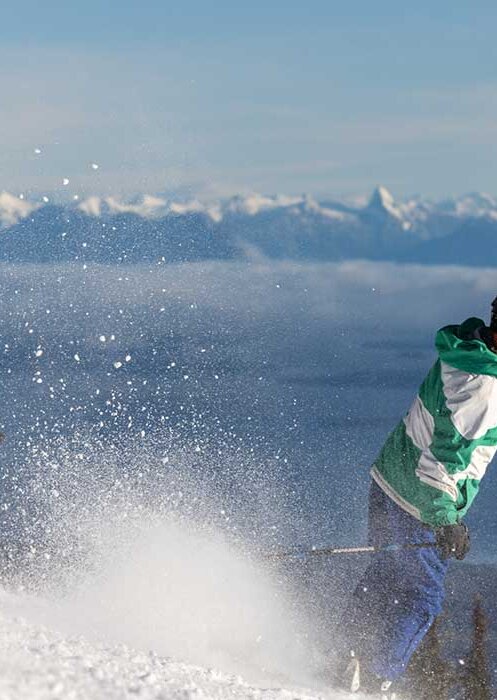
(451, 469)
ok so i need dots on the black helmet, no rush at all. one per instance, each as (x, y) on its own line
(493, 318)
(489, 333)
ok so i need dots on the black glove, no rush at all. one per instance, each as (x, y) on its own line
(453, 540)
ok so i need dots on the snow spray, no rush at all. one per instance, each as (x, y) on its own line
(142, 546)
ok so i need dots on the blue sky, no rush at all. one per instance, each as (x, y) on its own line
(212, 98)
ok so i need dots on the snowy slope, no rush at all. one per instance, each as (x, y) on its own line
(39, 662)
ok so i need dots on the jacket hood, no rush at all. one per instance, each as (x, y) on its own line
(459, 348)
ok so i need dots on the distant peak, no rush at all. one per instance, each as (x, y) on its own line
(381, 197)
(383, 202)
(91, 206)
(253, 204)
(14, 208)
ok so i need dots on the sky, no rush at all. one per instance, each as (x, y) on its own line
(210, 99)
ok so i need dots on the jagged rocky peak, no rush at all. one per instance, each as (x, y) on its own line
(383, 208)
(382, 200)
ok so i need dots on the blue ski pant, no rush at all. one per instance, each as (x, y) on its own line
(399, 594)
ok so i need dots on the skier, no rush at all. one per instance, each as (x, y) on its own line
(423, 482)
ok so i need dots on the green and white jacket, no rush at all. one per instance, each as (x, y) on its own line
(432, 463)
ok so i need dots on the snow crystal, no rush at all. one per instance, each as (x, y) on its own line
(65, 181)
(94, 166)
(77, 357)
(118, 364)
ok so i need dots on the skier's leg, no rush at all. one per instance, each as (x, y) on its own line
(414, 595)
(416, 589)
(399, 594)
(365, 609)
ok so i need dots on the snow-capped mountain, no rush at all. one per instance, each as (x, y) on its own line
(382, 205)
(13, 209)
(151, 228)
(147, 207)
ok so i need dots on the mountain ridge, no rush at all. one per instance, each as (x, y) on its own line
(153, 228)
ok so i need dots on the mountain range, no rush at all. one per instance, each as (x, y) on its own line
(461, 231)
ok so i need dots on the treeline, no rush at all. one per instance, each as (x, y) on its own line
(430, 676)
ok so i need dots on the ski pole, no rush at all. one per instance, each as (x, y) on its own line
(331, 551)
